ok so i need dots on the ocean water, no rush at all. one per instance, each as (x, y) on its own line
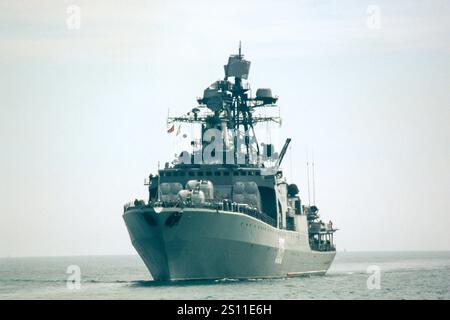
(401, 275)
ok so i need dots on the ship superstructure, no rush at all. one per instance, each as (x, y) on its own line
(224, 209)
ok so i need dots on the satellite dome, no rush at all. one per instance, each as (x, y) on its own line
(265, 95)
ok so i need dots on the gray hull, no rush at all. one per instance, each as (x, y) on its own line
(188, 244)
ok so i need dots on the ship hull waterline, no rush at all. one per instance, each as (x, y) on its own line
(205, 244)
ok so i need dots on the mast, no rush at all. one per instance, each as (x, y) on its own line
(228, 103)
(313, 180)
(307, 173)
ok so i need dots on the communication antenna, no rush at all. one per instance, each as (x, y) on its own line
(313, 180)
(159, 183)
(168, 116)
(281, 119)
(307, 170)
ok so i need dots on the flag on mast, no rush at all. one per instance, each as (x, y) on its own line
(171, 129)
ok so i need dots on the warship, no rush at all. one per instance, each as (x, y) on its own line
(224, 209)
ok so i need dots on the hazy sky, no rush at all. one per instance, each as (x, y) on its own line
(83, 111)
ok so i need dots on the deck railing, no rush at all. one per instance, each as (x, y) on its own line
(225, 206)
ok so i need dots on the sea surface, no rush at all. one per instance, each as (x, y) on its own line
(353, 275)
